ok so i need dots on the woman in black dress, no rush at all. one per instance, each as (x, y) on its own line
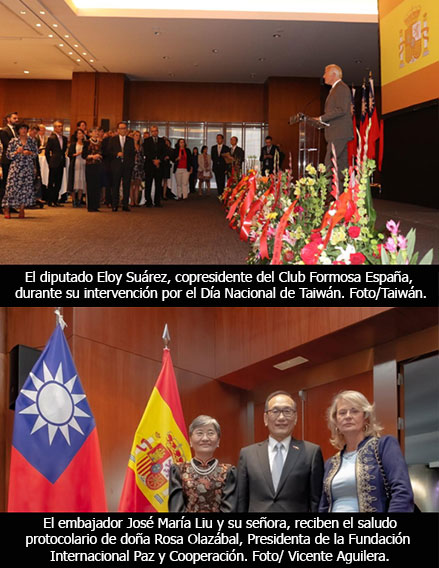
(93, 169)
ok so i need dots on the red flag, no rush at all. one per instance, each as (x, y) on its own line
(374, 132)
(352, 144)
(364, 119)
(55, 460)
(381, 146)
(160, 440)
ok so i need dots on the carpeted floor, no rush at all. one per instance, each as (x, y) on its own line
(182, 232)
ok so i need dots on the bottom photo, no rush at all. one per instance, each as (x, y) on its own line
(221, 409)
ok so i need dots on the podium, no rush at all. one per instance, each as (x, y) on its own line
(309, 141)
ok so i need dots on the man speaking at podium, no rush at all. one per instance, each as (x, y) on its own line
(338, 115)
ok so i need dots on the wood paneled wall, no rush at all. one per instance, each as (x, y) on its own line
(286, 96)
(192, 102)
(35, 98)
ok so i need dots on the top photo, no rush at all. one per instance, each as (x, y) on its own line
(230, 134)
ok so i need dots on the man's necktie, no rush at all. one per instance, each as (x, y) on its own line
(278, 464)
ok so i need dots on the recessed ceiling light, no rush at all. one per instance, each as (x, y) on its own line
(261, 59)
(50, 35)
(165, 57)
(66, 35)
(27, 72)
(70, 52)
(38, 25)
(83, 53)
(42, 12)
(290, 363)
(276, 35)
(215, 50)
(78, 60)
(156, 33)
(61, 44)
(22, 12)
(55, 25)
(76, 45)
(92, 60)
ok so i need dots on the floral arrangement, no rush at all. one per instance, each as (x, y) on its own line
(287, 222)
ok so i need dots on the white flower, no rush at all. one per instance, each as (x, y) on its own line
(345, 254)
(324, 258)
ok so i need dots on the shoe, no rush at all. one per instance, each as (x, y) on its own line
(40, 203)
(158, 205)
(21, 215)
(114, 209)
(148, 204)
(126, 208)
(58, 205)
(7, 215)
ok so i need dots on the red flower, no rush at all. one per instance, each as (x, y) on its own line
(316, 238)
(357, 258)
(310, 253)
(354, 232)
(289, 255)
(339, 262)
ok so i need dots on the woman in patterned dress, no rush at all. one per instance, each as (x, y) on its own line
(138, 174)
(203, 485)
(369, 473)
(20, 191)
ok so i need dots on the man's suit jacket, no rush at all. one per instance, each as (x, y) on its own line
(268, 163)
(5, 137)
(114, 147)
(41, 144)
(218, 162)
(238, 155)
(55, 155)
(154, 151)
(300, 485)
(338, 113)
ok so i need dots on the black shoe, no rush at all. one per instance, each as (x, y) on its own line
(148, 204)
(114, 209)
(58, 205)
(158, 205)
(126, 208)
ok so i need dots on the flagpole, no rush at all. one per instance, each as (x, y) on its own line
(166, 337)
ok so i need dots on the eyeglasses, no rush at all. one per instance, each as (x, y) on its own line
(352, 412)
(200, 433)
(287, 412)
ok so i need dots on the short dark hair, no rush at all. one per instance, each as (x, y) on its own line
(22, 125)
(80, 122)
(235, 137)
(119, 123)
(275, 393)
(10, 114)
(268, 138)
(219, 134)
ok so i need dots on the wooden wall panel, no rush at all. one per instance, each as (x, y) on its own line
(110, 97)
(287, 96)
(83, 98)
(249, 335)
(192, 102)
(35, 98)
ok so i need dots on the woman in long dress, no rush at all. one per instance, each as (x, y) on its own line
(20, 191)
(77, 183)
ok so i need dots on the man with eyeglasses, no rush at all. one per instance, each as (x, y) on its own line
(281, 474)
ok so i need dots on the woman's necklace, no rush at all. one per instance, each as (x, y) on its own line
(205, 471)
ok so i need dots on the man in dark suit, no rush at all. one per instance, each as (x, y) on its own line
(237, 154)
(268, 153)
(121, 154)
(281, 474)
(219, 165)
(56, 149)
(155, 151)
(338, 115)
(6, 135)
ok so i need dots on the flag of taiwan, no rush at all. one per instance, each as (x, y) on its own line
(55, 457)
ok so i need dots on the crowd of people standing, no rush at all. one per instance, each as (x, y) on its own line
(110, 168)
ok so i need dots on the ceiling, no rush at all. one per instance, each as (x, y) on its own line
(171, 49)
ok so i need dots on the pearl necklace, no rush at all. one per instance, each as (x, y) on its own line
(206, 471)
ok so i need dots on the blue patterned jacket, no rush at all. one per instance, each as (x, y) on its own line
(383, 483)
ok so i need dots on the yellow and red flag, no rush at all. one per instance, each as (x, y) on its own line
(160, 440)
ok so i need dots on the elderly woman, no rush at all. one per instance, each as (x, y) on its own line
(369, 473)
(203, 485)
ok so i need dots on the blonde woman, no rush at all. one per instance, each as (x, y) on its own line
(368, 473)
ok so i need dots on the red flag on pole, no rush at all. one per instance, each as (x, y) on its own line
(55, 459)
(352, 144)
(160, 440)
(374, 132)
(364, 119)
(381, 145)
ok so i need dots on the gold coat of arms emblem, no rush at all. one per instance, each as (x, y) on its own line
(413, 41)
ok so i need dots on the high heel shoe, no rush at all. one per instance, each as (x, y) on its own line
(7, 214)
